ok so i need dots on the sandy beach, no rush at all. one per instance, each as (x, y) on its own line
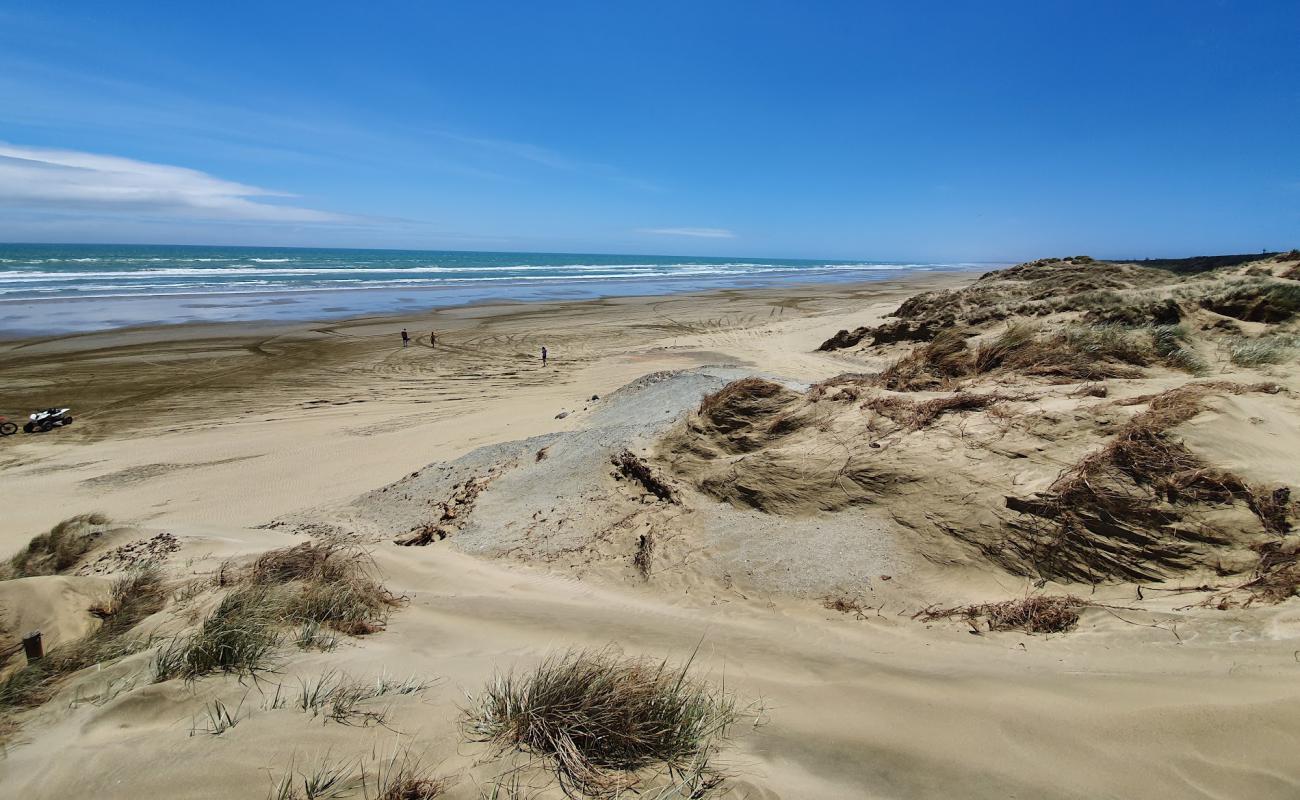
(239, 440)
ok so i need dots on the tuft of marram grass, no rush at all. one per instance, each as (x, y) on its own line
(241, 635)
(309, 586)
(603, 718)
(56, 550)
(1265, 350)
(328, 583)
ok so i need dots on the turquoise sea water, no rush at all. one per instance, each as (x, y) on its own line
(59, 288)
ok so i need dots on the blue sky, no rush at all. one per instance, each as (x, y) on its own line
(884, 130)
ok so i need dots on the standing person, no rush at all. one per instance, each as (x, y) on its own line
(433, 339)
(543, 355)
(406, 338)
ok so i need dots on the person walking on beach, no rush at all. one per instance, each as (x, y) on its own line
(543, 355)
(406, 338)
(433, 339)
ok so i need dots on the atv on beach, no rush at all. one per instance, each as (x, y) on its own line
(48, 419)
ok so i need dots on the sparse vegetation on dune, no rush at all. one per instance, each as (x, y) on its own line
(605, 721)
(241, 635)
(1255, 300)
(133, 598)
(310, 585)
(57, 550)
(404, 776)
(1135, 505)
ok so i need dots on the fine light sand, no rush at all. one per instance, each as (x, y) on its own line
(240, 441)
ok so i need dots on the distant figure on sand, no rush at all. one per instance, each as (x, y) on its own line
(406, 338)
(433, 339)
(543, 355)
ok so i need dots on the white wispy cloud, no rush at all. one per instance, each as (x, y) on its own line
(701, 233)
(64, 180)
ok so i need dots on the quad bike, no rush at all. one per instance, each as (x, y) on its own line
(47, 420)
(7, 428)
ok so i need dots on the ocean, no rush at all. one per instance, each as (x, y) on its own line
(48, 289)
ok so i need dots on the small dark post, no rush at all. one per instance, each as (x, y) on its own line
(33, 647)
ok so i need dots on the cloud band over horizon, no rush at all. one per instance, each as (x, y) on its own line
(699, 233)
(69, 180)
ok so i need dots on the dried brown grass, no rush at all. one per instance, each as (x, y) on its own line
(1109, 513)
(915, 415)
(633, 467)
(935, 365)
(1036, 614)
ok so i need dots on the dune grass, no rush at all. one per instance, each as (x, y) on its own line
(308, 586)
(603, 718)
(58, 549)
(133, 597)
(934, 365)
(1255, 300)
(1278, 349)
(241, 635)
(404, 776)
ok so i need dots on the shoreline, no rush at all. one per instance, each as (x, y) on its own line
(79, 314)
(190, 329)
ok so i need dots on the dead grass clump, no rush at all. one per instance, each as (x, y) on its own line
(631, 466)
(935, 365)
(58, 549)
(844, 605)
(604, 719)
(725, 407)
(917, 415)
(992, 355)
(925, 413)
(644, 557)
(848, 386)
(133, 597)
(1117, 513)
(741, 416)
(1037, 614)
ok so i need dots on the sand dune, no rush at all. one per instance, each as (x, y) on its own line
(790, 527)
